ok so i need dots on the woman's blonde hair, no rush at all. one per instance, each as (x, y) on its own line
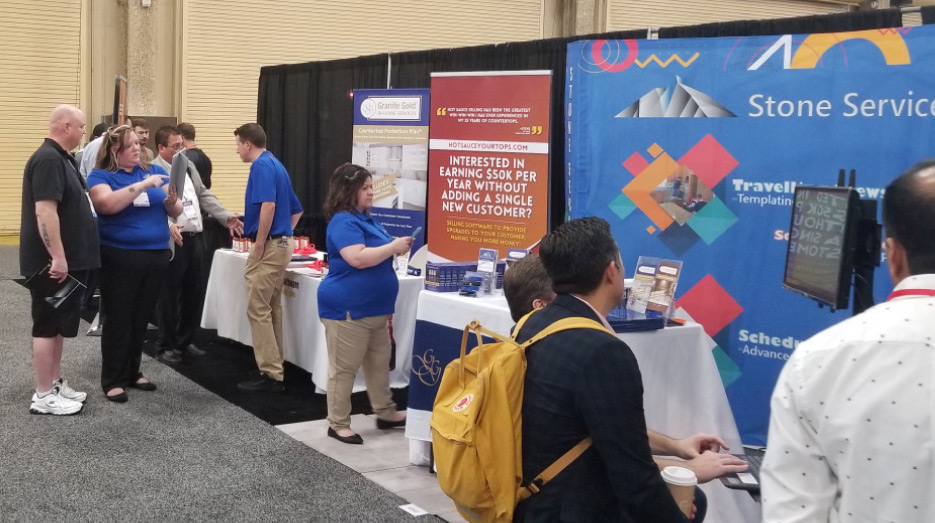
(115, 135)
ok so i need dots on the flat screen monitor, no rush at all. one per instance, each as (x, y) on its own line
(822, 241)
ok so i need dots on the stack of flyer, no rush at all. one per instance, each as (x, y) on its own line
(649, 303)
(654, 285)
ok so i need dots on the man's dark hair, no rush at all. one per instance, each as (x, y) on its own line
(576, 253)
(138, 121)
(909, 215)
(253, 133)
(524, 282)
(187, 130)
(345, 182)
(99, 129)
(164, 133)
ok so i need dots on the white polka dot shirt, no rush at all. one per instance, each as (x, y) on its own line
(852, 425)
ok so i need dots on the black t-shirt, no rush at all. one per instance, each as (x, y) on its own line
(51, 174)
(202, 163)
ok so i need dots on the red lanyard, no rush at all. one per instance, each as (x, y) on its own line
(911, 292)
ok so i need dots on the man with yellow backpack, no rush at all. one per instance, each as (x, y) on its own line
(585, 383)
(578, 449)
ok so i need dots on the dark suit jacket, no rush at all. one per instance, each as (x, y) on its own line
(587, 383)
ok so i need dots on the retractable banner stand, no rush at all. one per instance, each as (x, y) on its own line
(488, 162)
(692, 148)
(391, 138)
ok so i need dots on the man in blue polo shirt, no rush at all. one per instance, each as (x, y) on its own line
(271, 210)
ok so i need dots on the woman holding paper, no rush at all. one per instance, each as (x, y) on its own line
(133, 202)
(355, 301)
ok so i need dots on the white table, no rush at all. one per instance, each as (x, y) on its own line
(303, 333)
(683, 393)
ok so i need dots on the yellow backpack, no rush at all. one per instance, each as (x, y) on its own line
(477, 424)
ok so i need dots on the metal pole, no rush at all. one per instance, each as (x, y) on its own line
(389, 68)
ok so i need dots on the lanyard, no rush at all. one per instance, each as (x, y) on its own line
(911, 292)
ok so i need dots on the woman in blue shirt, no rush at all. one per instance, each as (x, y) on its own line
(133, 207)
(355, 301)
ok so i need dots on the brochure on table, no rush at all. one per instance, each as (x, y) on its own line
(654, 284)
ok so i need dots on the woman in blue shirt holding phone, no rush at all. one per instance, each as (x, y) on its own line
(355, 301)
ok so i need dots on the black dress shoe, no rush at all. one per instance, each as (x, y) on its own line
(117, 398)
(147, 386)
(350, 440)
(169, 357)
(385, 424)
(261, 384)
(192, 351)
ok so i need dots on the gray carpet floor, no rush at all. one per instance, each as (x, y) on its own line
(178, 454)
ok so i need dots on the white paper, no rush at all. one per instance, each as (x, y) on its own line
(415, 510)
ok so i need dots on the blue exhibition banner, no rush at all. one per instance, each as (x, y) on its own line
(692, 148)
(391, 139)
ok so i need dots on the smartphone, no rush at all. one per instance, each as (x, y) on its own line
(416, 232)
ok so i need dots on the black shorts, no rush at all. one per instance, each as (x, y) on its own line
(49, 322)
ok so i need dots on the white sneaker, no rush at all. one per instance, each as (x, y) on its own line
(69, 393)
(53, 403)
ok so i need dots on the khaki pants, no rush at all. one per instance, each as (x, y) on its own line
(264, 306)
(353, 344)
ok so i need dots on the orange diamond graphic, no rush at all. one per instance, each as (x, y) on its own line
(641, 188)
(655, 150)
(650, 229)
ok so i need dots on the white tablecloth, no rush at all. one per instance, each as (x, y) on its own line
(303, 333)
(683, 392)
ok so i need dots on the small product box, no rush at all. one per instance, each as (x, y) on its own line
(433, 277)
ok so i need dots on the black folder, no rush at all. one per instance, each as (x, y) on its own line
(53, 292)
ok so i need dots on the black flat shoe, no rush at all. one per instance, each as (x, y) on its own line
(117, 398)
(351, 440)
(147, 386)
(169, 357)
(385, 424)
(263, 383)
(192, 351)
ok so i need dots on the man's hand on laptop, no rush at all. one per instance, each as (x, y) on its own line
(710, 465)
(693, 446)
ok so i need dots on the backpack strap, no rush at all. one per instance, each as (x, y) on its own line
(479, 332)
(564, 324)
(522, 321)
(575, 452)
(552, 470)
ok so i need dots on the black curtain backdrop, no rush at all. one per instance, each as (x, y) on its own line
(928, 15)
(307, 109)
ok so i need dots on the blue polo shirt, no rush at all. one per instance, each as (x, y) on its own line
(361, 292)
(139, 226)
(269, 182)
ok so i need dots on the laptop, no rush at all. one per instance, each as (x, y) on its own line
(749, 480)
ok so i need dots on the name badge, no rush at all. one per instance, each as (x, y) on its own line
(142, 200)
(189, 209)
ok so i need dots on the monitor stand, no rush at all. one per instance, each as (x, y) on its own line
(866, 256)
